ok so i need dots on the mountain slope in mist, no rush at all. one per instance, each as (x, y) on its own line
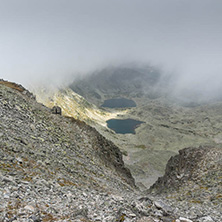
(167, 128)
(171, 122)
(150, 82)
(119, 81)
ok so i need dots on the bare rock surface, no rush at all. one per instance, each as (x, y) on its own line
(54, 168)
(193, 183)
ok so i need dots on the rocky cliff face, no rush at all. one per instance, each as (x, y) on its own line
(194, 176)
(55, 168)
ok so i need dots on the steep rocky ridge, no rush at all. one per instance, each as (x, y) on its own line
(17, 109)
(51, 151)
(194, 176)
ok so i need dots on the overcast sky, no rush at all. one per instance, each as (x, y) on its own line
(53, 39)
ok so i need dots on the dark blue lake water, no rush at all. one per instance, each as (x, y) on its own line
(119, 103)
(123, 126)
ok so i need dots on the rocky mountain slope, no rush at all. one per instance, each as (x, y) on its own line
(46, 158)
(170, 125)
(73, 105)
(55, 168)
(194, 177)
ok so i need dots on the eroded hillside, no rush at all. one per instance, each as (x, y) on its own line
(55, 168)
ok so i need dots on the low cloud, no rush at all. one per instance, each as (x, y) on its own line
(55, 40)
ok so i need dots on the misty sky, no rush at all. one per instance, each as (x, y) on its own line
(54, 39)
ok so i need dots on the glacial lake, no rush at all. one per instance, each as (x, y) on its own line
(123, 126)
(119, 103)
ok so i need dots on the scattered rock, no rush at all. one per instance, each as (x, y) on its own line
(29, 208)
(182, 219)
(206, 219)
(165, 208)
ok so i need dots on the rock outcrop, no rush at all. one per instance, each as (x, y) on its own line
(193, 182)
(17, 87)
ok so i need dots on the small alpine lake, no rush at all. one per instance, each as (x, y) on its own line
(119, 103)
(123, 126)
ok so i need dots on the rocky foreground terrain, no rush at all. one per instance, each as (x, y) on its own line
(193, 182)
(55, 168)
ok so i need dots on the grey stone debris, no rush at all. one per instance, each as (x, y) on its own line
(206, 219)
(183, 219)
(164, 207)
(54, 168)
